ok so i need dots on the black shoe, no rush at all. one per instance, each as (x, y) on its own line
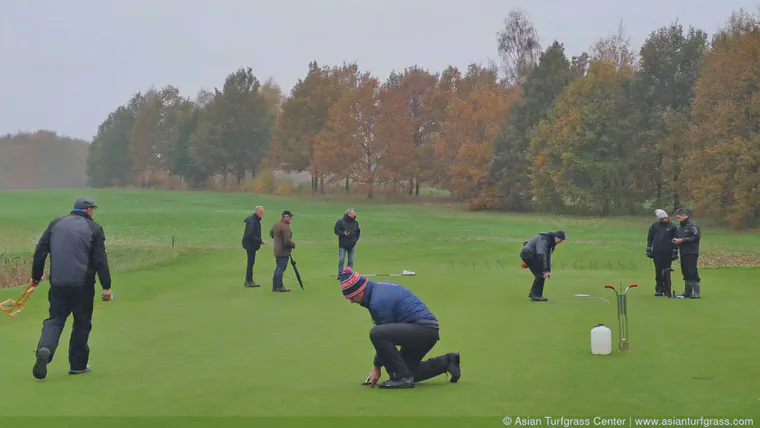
(85, 370)
(250, 284)
(659, 294)
(404, 382)
(538, 298)
(40, 366)
(453, 368)
(281, 289)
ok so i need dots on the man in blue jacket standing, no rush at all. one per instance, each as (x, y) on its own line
(401, 319)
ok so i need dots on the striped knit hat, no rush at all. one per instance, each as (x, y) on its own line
(352, 283)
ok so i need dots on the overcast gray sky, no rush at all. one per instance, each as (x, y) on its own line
(64, 65)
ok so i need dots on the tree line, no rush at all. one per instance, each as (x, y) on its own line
(42, 159)
(612, 131)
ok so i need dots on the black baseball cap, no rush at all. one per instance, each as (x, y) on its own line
(287, 213)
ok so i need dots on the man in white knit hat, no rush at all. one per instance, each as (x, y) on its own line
(661, 248)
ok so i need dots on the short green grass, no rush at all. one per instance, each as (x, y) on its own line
(185, 338)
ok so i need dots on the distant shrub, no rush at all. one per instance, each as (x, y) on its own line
(302, 189)
(285, 189)
(264, 182)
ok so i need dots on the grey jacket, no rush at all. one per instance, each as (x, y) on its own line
(540, 246)
(76, 245)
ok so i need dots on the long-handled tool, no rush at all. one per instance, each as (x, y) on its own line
(403, 273)
(668, 284)
(591, 297)
(11, 307)
(622, 307)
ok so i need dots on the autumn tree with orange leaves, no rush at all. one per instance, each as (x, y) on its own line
(465, 144)
(349, 146)
(722, 166)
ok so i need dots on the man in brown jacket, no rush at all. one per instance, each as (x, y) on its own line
(283, 245)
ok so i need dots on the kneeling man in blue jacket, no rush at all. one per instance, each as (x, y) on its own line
(401, 319)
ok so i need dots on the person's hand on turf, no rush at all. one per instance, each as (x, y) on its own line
(107, 295)
(263, 242)
(547, 274)
(374, 376)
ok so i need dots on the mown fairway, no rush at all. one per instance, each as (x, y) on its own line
(185, 338)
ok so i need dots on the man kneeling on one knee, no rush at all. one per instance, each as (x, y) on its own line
(401, 319)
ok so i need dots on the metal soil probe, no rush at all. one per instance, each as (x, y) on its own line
(622, 307)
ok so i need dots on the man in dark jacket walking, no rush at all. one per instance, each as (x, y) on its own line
(252, 242)
(663, 251)
(283, 245)
(348, 232)
(688, 238)
(536, 255)
(76, 245)
(400, 319)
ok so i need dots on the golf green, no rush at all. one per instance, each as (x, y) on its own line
(185, 338)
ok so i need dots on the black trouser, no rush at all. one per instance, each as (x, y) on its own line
(536, 265)
(64, 301)
(282, 265)
(251, 262)
(662, 261)
(415, 341)
(689, 267)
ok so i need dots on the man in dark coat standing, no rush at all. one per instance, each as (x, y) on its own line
(348, 232)
(536, 255)
(400, 319)
(76, 245)
(663, 251)
(252, 242)
(688, 238)
(283, 245)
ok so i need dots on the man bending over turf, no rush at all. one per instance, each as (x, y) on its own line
(401, 319)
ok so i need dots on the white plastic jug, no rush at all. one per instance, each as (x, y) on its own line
(601, 340)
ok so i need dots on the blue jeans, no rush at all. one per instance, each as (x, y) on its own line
(342, 255)
(282, 265)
